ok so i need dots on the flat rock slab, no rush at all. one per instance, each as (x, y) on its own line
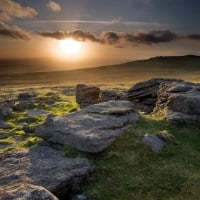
(43, 166)
(35, 113)
(92, 129)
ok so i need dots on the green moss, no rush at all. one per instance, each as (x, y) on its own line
(30, 141)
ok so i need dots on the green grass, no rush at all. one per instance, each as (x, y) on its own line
(127, 170)
(130, 171)
(15, 137)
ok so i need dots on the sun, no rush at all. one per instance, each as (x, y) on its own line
(70, 46)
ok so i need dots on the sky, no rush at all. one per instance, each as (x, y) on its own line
(104, 31)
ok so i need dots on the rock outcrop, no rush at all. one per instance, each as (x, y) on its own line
(145, 94)
(179, 100)
(92, 129)
(42, 166)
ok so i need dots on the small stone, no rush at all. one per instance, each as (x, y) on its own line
(80, 197)
(153, 141)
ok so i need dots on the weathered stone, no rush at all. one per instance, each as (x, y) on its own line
(153, 141)
(24, 105)
(108, 95)
(145, 93)
(92, 129)
(179, 118)
(45, 167)
(180, 102)
(25, 191)
(36, 112)
(4, 125)
(85, 95)
(185, 103)
(27, 95)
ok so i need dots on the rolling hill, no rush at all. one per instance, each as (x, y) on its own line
(181, 67)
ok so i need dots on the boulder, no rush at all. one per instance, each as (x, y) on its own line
(153, 142)
(25, 192)
(180, 102)
(43, 166)
(86, 95)
(144, 94)
(92, 129)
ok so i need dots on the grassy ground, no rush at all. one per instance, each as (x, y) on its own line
(130, 171)
(127, 170)
(16, 137)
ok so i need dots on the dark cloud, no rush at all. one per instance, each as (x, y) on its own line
(121, 39)
(13, 32)
(79, 35)
(153, 37)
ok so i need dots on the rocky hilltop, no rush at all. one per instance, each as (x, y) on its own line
(44, 172)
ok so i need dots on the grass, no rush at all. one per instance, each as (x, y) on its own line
(15, 137)
(127, 170)
(130, 171)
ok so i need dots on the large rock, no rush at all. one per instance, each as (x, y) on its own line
(43, 166)
(86, 95)
(180, 101)
(25, 192)
(145, 94)
(92, 129)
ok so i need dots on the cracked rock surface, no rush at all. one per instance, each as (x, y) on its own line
(42, 166)
(92, 129)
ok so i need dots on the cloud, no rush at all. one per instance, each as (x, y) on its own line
(13, 32)
(9, 9)
(79, 35)
(115, 38)
(4, 16)
(54, 6)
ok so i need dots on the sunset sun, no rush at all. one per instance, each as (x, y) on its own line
(70, 46)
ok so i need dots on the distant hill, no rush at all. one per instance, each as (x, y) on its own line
(183, 67)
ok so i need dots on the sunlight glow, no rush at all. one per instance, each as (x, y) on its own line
(70, 47)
